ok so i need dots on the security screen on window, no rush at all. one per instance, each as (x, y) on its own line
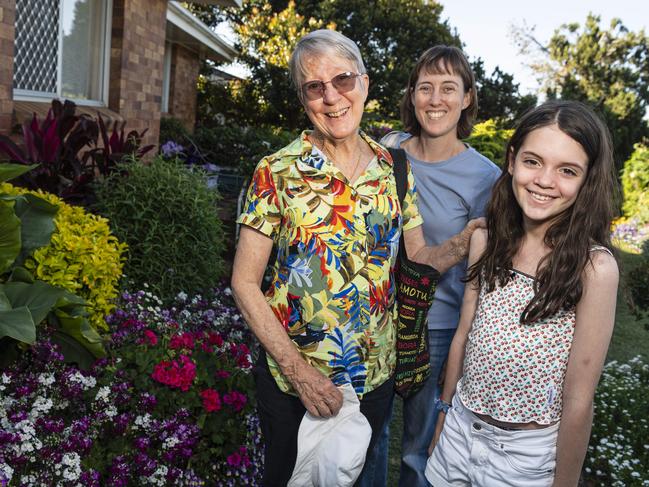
(60, 49)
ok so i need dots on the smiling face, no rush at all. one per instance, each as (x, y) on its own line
(438, 101)
(547, 173)
(336, 116)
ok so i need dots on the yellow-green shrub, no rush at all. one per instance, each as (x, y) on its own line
(490, 140)
(82, 257)
(635, 184)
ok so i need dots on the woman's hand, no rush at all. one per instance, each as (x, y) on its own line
(316, 391)
(445, 255)
(318, 394)
(462, 240)
(441, 417)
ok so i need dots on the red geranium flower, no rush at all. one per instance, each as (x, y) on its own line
(211, 400)
(235, 400)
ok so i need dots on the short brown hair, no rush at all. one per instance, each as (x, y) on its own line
(442, 60)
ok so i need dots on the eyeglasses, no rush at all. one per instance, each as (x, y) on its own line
(344, 82)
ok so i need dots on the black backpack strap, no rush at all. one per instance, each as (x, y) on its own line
(400, 172)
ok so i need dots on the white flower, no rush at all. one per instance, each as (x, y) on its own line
(6, 472)
(159, 477)
(46, 379)
(72, 463)
(170, 442)
(87, 382)
(102, 394)
(143, 421)
(111, 411)
(41, 405)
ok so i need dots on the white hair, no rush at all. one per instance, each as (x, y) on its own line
(318, 42)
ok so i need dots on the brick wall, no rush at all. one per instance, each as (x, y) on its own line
(7, 19)
(185, 66)
(136, 63)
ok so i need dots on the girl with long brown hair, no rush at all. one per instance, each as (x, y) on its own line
(538, 311)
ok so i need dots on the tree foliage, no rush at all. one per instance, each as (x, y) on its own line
(391, 35)
(635, 184)
(499, 98)
(607, 68)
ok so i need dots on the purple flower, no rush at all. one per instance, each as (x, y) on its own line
(148, 401)
(234, 460)
(90, 478)
(142, 443)
(171, 149)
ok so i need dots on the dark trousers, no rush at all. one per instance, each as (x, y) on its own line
(280, 415)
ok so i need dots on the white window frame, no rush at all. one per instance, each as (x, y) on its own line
(166, 77)
(39, 96)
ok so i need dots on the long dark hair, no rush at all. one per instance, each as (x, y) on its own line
(587, 222)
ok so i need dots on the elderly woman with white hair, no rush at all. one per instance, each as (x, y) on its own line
(328, 201)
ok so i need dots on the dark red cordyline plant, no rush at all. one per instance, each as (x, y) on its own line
(55, 143)
(116, 147)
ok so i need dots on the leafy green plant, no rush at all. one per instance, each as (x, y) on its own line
(637, 282)
(27, 223)
(167, 215)
(240, 147)
(490, 140)
(635, 184)
(172, 128)
(82, 257)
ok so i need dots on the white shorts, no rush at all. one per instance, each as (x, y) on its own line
(471, 452)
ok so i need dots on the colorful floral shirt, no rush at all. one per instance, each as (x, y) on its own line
(337, 242)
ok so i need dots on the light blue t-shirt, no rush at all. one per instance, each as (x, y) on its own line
(449, 194)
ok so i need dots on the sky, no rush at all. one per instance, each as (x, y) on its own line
(484, 26)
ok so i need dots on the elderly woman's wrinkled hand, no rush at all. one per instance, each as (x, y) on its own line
(462, 240)
(316, 391)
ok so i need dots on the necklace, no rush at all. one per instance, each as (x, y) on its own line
(324, 149)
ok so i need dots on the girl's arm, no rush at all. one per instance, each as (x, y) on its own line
(595, 316)
(455, 360)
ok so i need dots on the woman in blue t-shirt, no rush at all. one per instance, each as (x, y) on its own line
(454, 184)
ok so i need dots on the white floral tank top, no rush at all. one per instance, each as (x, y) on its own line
(515, 372)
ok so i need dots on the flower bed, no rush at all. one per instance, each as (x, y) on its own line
(629, 234)
(169, 406)
(618, 455)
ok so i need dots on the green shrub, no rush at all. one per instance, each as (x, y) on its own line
(240, 147)
(635, 184)
(172, 129)
(490, 140)
(82, 257)
(167, 215)
(637, 281)
(377, 127)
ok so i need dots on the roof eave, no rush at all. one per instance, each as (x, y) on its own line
(216, 48)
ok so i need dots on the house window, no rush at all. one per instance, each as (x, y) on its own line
(61, 50)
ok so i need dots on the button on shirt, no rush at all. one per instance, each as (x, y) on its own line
(337, 242)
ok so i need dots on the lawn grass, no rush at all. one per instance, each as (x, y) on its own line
(630, 338)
